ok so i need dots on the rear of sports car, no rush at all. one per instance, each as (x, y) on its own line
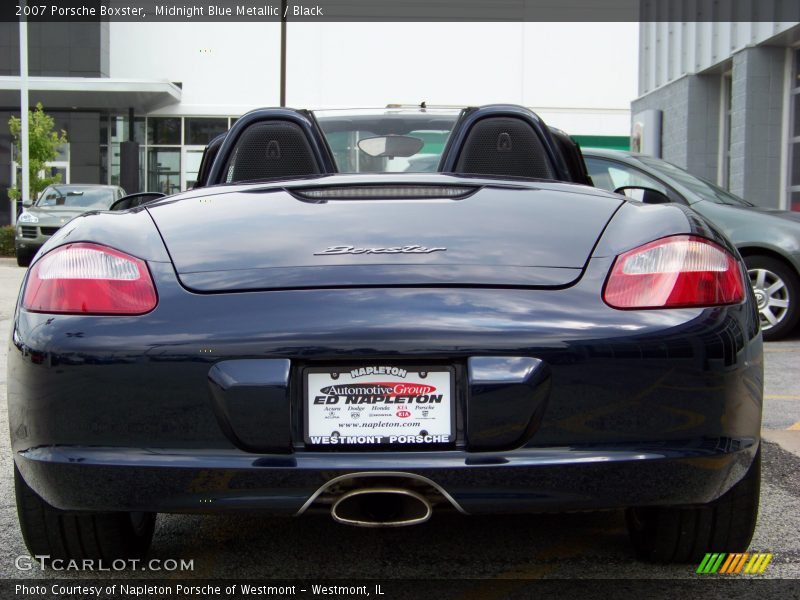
(381, 349)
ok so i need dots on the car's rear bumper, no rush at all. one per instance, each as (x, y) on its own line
(633, 407)
(523, 480)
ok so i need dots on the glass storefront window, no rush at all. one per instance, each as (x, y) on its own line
(191, 165)
(142, 163)
(201, 130)
(796, 109)
(104, 164)
(116, 132)
(795, 181)
(727, 82)
(170, 149)
(119, 129)
(793, 199)
(164, 130)
(796, 82)
(104, 149)
(164, 170)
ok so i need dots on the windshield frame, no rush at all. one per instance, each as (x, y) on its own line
(698, 186)
(343, 130)
(64, 190)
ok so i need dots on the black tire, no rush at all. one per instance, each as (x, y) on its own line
(775, 268)
(99, 536)
(24, 257)
(685, 534)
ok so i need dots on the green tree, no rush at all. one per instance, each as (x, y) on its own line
(42, 145)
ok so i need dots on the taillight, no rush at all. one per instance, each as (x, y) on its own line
(674, 272)
(89, 279)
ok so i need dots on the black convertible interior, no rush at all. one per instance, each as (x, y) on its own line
(269, 144)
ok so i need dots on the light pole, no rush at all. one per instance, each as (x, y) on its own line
(283, 52)
(23, 107)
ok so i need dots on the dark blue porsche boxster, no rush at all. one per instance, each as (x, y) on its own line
(382, 315)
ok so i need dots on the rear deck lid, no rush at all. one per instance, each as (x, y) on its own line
(485, 236)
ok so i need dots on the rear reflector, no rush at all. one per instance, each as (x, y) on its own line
(674, 272)
(89, 279)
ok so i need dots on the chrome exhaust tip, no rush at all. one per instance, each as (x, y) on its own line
(381, 507)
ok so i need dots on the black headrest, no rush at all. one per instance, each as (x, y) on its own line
(504, 146)
(271, 149)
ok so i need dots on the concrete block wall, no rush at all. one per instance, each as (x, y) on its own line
(756, 124)
(673, 101)
(703, 126)
(691, 123)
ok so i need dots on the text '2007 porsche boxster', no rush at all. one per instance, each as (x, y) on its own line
(382, 315)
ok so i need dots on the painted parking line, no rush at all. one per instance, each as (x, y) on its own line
(782, 397)
(795, 427)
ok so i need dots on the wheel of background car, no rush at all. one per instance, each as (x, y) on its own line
(777, 290)
(669, 534)
(59, 534)
(24, 257)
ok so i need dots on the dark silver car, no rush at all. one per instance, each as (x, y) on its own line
(767, 238)
(55, 206)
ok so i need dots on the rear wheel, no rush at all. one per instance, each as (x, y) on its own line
(99, 536)
(686, 534)
(777, 290)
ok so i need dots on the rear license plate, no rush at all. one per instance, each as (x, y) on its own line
(379, 405)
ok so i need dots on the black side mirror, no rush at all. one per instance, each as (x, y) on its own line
(643, 194)
(134, 200)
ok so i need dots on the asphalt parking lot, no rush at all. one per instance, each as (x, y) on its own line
(585, 545)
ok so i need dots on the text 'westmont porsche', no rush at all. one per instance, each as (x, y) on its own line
(384, 314)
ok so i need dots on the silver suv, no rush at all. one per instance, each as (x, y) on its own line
(56, 205)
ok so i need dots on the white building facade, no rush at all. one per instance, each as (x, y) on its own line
(197, 77)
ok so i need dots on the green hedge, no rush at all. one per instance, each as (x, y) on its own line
(7, 240)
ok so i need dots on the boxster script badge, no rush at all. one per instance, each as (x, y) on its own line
(394, 250)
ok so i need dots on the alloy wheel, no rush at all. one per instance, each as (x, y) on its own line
(772, 297)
